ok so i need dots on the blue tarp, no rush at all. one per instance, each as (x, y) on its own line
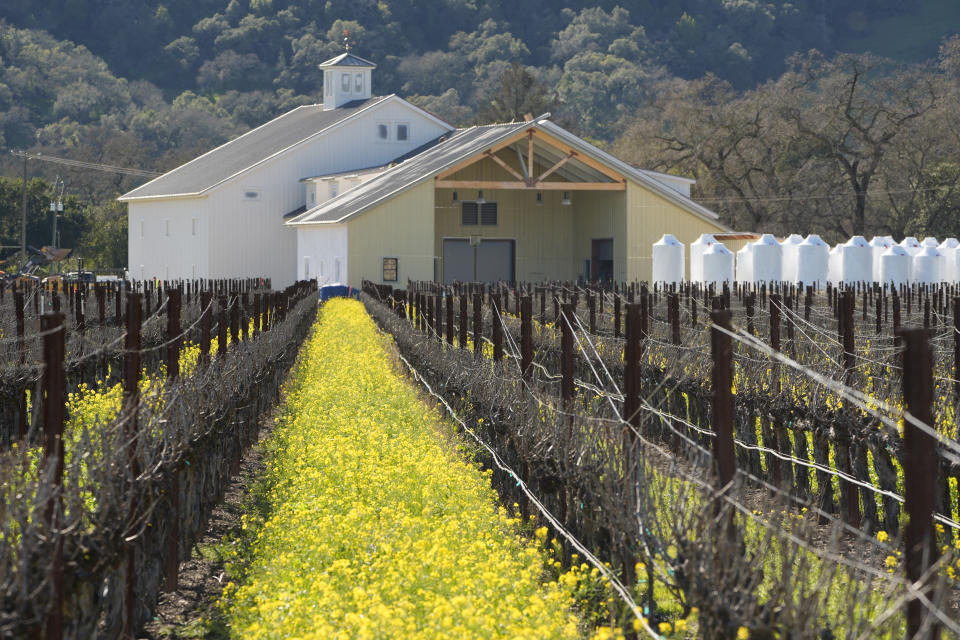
(337, 291)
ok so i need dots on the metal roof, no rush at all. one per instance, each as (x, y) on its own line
(637, 175)
(247, 150)
(347, 60)
(444, 154)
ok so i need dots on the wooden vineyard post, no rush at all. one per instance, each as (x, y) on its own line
(235, 321)
(592, 306)
(775, 309)
(222, 327)
(438, 317)
(495, 328)
(131, 393)
(22, 349)
(847, 335)
(616, 315)
(205, 321)
(54, 412)
(956, 347)
(566, 352)
(526, 337)
(462, 338)
(174, 341)
(449, 298)
(723, 410)
(101, 295)
(919, 471)
(631, 367)
(477, 325)
(674, 301)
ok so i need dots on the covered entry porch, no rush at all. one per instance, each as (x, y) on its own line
(530, 208)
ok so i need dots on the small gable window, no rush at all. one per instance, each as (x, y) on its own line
(251, 194)
(383, 132)
(358, 83)
(333, 189)
(345, 82)
(403, 132)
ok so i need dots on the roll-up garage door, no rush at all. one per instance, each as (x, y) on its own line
(490, 261)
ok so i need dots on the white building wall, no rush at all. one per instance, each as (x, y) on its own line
(168, 239)
(240, 237)
(249, 237)
(322, 251)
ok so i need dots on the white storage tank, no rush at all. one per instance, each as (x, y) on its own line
(926, 266)
(717, 265)
(767, 259)
(835, 265)
(813, 255)
(879, 244)
(745, 263)
(911, 244)
(948, 248)
(930, 241)
(857, 261)
(790, 245)
(895, 266)
(697, 248)
(668, 259)
(952, 264)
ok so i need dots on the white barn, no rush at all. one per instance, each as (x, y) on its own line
(222, 214)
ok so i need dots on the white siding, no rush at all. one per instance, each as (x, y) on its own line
(239, 236)
(250, 238)
(182, 253)
(320, 248)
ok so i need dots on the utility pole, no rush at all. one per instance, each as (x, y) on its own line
(23, 216)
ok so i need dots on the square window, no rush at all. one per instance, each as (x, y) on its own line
(345, 82)
(469, 212)
(383, 131)
(402, 132)
(358, 83)
(389, 269)
(333, 189)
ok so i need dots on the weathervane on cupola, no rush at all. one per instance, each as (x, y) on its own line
(346, 78)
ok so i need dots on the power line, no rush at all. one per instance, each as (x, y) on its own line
(85, 165)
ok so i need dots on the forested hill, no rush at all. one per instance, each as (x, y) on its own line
(144, 84)
(265, 44)
(606, 51)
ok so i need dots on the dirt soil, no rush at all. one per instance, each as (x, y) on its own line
(191, 611)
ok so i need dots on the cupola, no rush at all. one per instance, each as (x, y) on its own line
(345, 78)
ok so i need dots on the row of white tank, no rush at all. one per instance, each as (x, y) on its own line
(810, 260)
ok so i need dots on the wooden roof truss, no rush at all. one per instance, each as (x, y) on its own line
(534, 147)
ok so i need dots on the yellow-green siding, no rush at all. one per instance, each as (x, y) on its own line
(553, 241)
(401, 227)
(649, 216)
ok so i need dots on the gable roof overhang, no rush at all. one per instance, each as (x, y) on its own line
(218, 166)
(573, 164)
